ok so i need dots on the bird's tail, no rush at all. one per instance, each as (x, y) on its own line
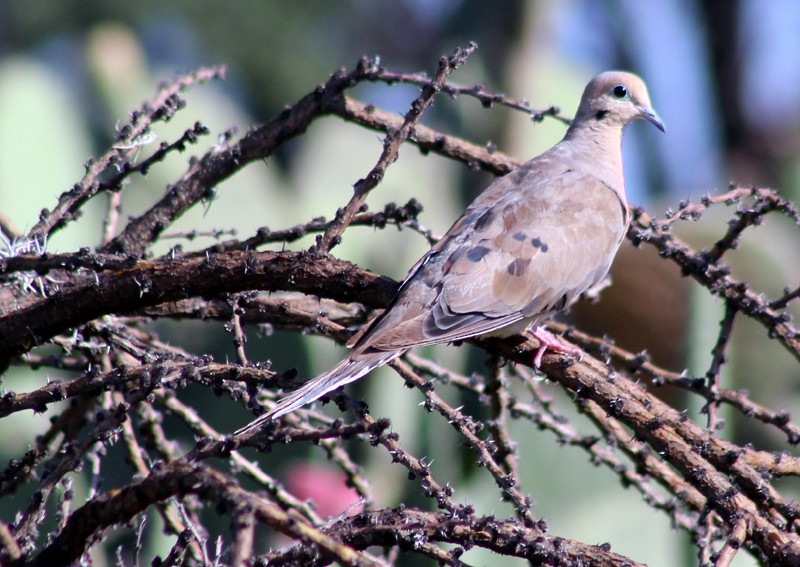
(356, 365)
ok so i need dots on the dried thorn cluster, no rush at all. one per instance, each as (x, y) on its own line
(80, 317)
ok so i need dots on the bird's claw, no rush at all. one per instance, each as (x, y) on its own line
(548, 341)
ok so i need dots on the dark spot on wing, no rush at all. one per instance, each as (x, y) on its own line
(476, 254)
(518, 266)
(453, 258)
(485, 219)
(519, 236)
(540, 244)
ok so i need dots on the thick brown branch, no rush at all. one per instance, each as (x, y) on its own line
(119, 506)
(677, 439)
(409, 525)
(149, 284)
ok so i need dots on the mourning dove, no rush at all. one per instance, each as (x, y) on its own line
(525, 248)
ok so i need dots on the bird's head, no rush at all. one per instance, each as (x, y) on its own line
(617, 98)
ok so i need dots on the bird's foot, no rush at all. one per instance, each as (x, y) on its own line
(548, 341)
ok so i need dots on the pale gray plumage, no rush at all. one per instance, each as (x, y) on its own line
(527, 247)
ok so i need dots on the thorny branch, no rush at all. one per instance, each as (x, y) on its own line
(391, 148)
(82, 317)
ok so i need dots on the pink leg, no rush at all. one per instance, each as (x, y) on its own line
(548, 341)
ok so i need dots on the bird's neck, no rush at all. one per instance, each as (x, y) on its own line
(599, 145)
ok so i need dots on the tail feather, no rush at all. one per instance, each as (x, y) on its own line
(356, 365)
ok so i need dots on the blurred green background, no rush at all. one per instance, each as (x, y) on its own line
(724, 76)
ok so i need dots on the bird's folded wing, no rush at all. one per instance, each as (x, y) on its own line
(515, 255)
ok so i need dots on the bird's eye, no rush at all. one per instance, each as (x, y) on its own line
(620, 91)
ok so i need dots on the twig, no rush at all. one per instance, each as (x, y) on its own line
(718, 359)
(467, 428)
(391, 147)
(239, 338)
(129, 138)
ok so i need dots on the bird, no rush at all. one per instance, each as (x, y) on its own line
(527, 247)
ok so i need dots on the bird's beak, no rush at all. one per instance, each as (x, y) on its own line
(650, 115)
